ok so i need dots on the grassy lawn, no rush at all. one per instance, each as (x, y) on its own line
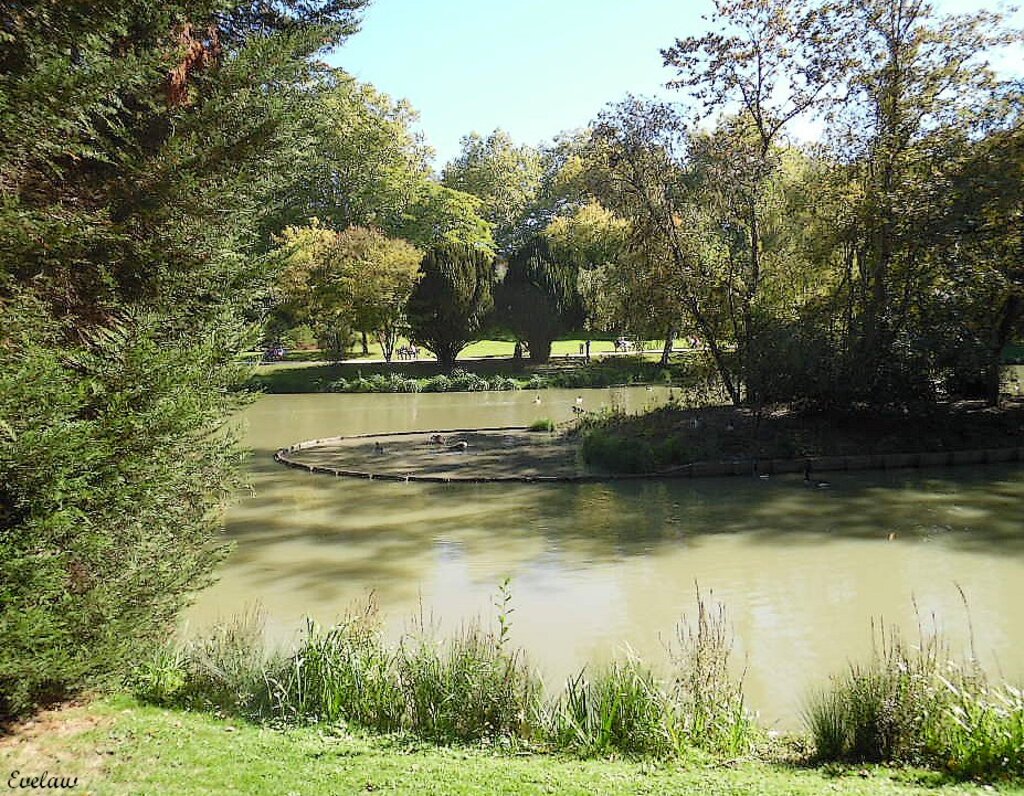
(117, 746)
(480, 349)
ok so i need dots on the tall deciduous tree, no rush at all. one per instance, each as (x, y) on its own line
(776, 60)
(640, 169)
(451, 300)
(919, 91)
(355, 280)
(505, 177)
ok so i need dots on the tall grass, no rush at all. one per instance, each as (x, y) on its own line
(222, 671)
(467, 687)
(344, 672)
(622, 709)
(875, 712)
(464, 688)
(625, 708)
(921, 705)
(980, 732)
(708, 700)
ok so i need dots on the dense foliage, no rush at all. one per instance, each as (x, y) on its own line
(141, 146)
(867, 270)
(340, 282)
(538, 297)
(451, 300)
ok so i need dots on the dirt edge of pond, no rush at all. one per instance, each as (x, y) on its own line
(739, 466)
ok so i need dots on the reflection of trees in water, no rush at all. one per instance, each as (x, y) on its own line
(595, 565)
(316, 533)
(973, 509)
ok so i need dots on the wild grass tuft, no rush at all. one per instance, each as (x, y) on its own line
(467, 687)
(222, 671)
(710, 711)
(979, 733)
(876, 712)
(920, 705)
(626, 709)
(542, 424)
(344, 672)
(622, 709)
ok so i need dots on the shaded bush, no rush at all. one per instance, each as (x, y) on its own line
(617, 453)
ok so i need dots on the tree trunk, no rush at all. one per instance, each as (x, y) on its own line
(666, 352)
(1008, 314)
(387, 338)
(366, 344)
(540, 350)
(517, 354)
(446, 354)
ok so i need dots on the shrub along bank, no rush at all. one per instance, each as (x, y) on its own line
(500, 375)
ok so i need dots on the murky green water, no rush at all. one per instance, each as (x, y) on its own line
(596, 567)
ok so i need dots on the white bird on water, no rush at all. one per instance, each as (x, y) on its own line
(537, 400)
(579, 400)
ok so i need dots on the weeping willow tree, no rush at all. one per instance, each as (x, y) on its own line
(141, 147)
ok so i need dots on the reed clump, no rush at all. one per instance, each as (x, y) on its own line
(625, 708)
(918, 704)
(471, 686)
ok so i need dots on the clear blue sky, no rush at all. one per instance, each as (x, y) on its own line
(531, 67)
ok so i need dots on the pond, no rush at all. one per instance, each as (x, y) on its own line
(597, 569)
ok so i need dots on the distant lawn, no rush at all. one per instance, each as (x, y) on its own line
(120, 747)
(478, 349)
(304, 373)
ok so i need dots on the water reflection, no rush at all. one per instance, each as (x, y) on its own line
(597, 566)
